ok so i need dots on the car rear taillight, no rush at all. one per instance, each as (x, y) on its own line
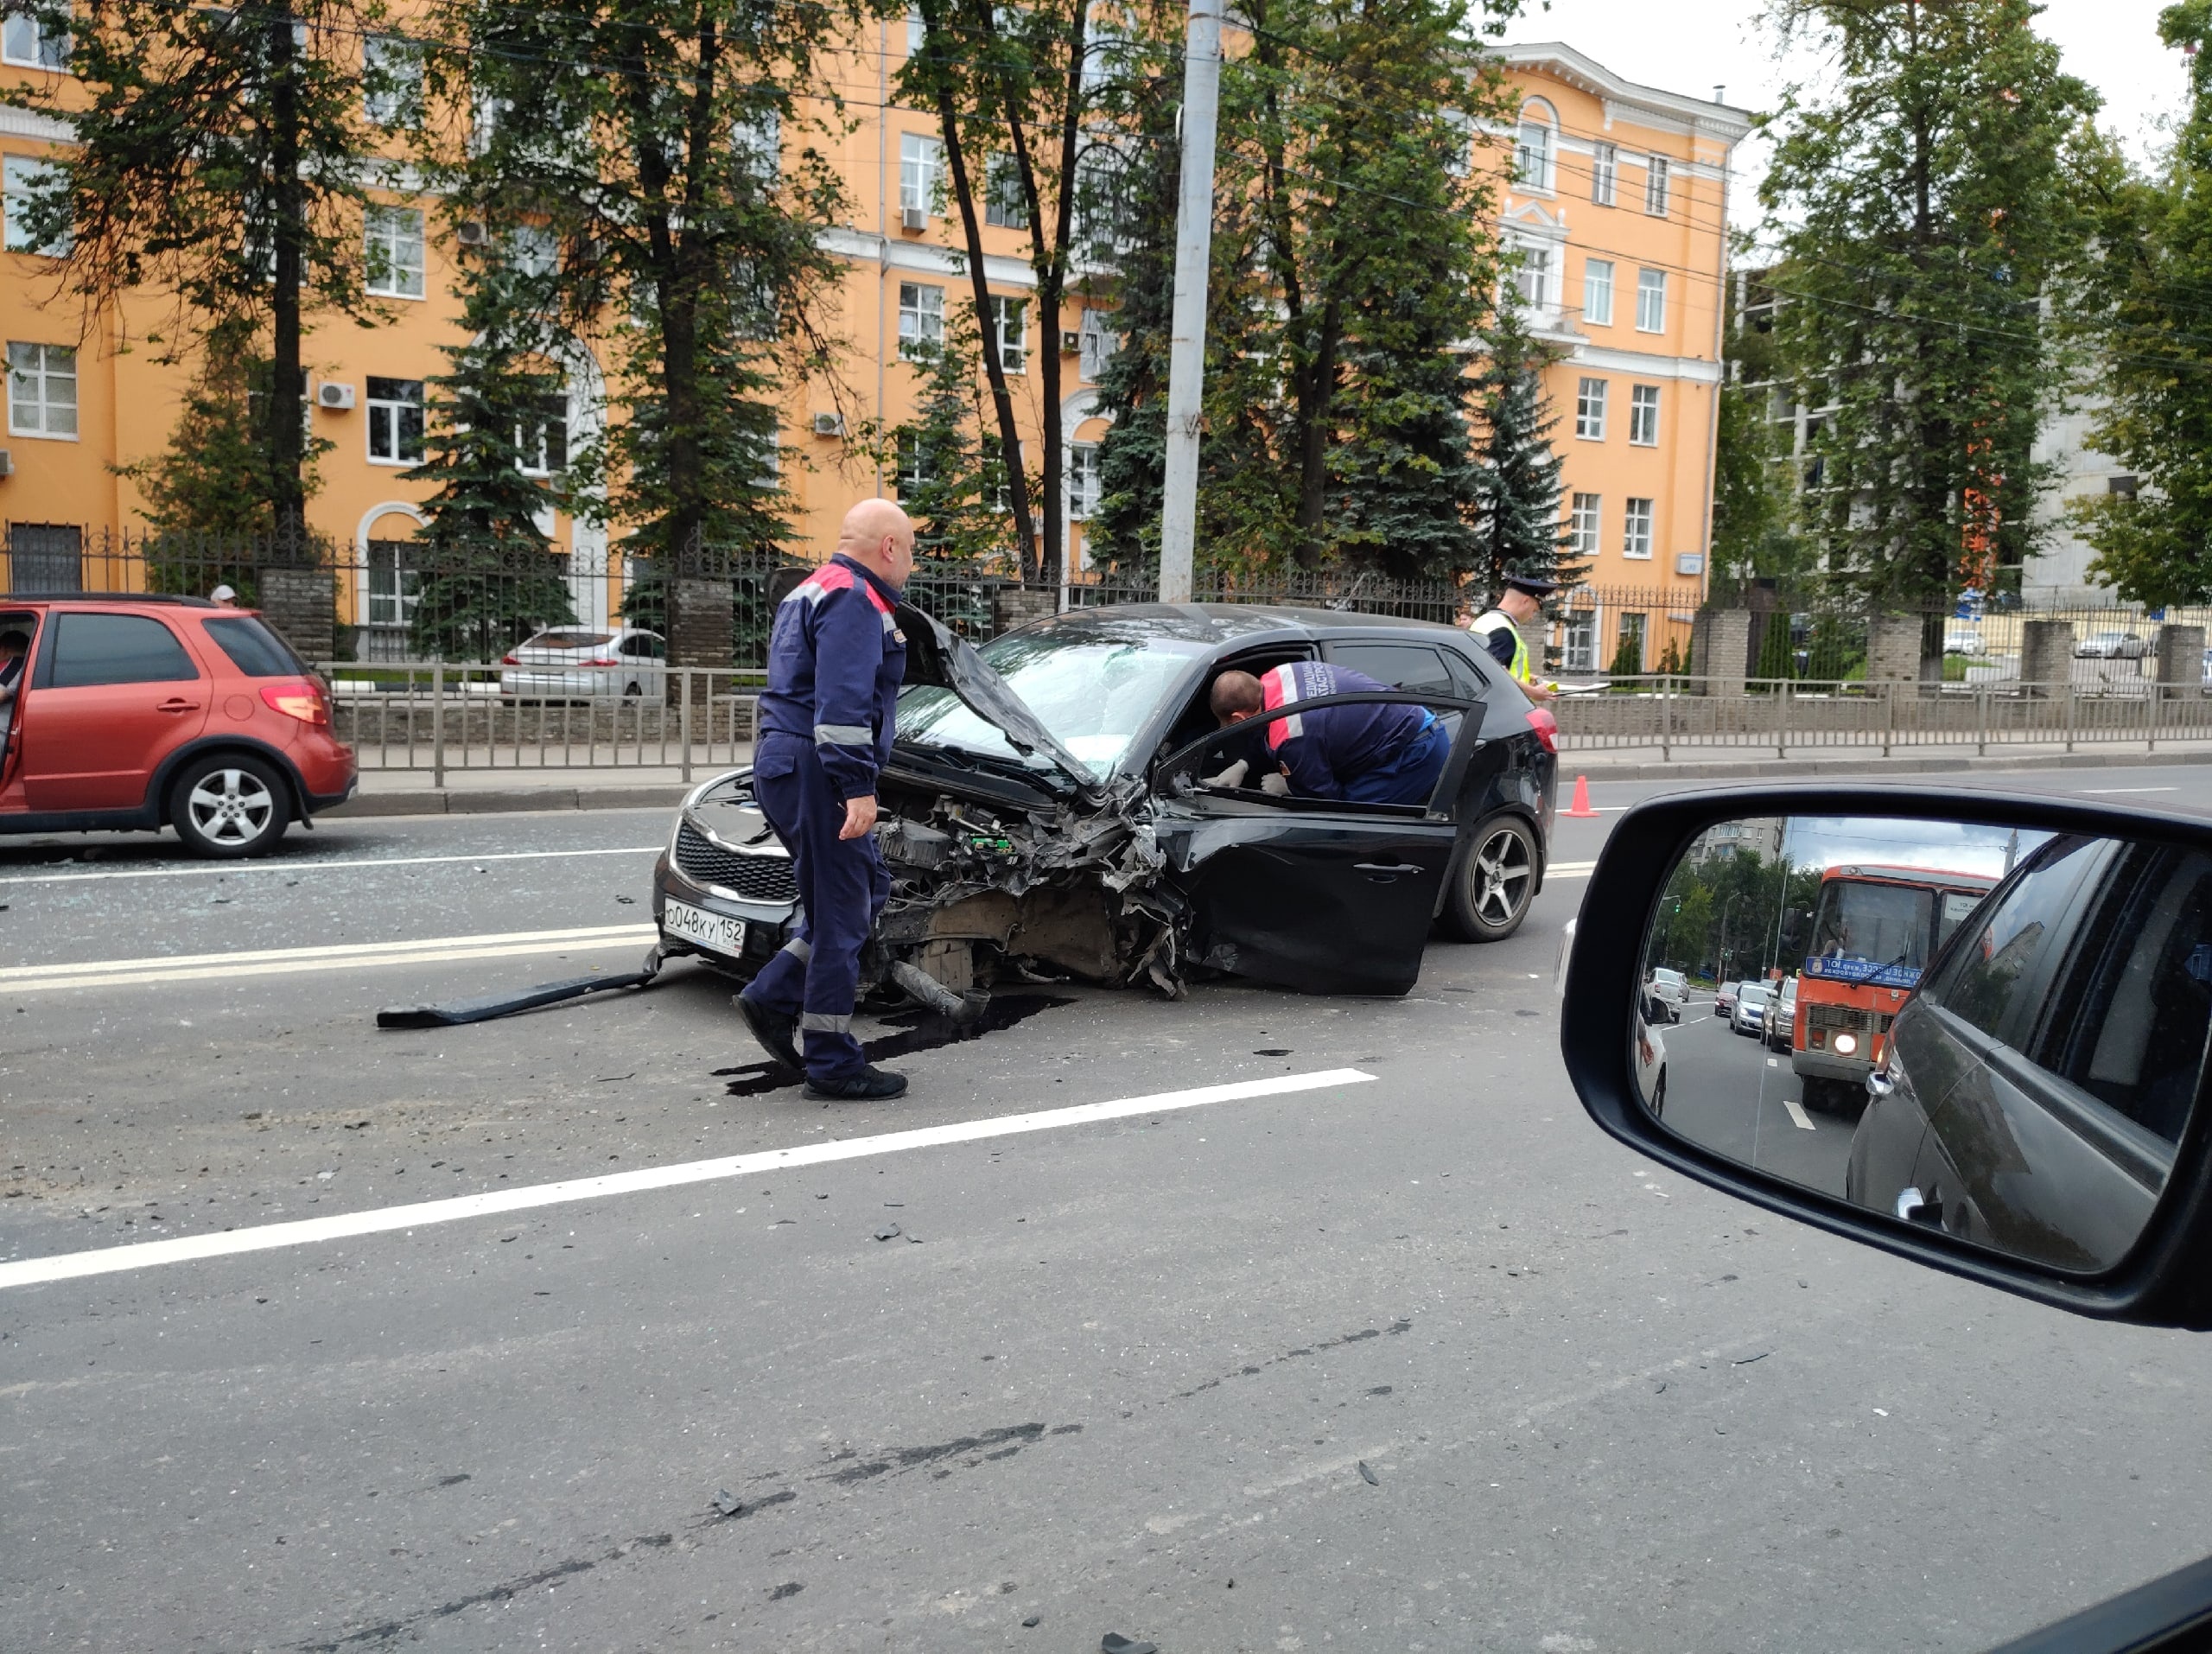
(297, 699)
(508, 659)
(1546, 726)
(603, 660)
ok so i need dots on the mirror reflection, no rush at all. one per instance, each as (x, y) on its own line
(1997, 1034)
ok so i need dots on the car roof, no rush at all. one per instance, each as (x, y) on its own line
(51, 598)
(1240, 623)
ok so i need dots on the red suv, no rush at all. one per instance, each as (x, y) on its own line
(132, 711)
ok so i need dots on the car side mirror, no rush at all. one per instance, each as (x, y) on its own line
(1984, 1042)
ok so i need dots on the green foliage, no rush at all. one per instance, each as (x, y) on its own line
(1929, 206)
(1750, 501)
(1729, 916)
(1778, 650)
(215, 149)
(1513, 494)
(2155, 545)
(947, 480)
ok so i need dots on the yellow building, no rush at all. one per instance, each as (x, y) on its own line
(1617, 200)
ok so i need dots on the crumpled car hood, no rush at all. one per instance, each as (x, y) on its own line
(941, 659)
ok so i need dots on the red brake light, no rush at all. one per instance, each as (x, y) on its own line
(508, 659)
(297, 698)
(603, 660)
(1546, 726)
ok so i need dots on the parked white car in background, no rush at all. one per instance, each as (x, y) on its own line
(2111, 646)
(1671, 989)
(573, 663)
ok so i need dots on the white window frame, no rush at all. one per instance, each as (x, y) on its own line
(758, 141)
(1013, 345)
(1002, 202)
(398, 59)
(1586, 523)
(391, 409)
(532, 249)
(19, 174)
(1636, 521)
(918, 33)
(920, 156)
(1533, 273)
(1604, 173)
(1082, 480)
(1535, 165)
(921, 317)
(1651, 301)
(49, 52)
(1597, 292)
(400, 231)
(1579, 641)
(42, 369)
(1639, 622)
(1461, 125)
(1644, 415)
(1657, 181)
(1591, 396)
(533, 457)
(1095, 344)
(907, 477)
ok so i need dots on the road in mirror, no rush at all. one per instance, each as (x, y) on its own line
(1993, 1033)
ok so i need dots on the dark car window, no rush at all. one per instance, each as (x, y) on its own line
(254, 649)
(2008, 957)
(1415, 667)
(642, 648)
(95, 649)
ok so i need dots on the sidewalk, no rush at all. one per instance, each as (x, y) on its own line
(505, 792)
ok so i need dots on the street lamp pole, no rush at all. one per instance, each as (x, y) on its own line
(1186, 354)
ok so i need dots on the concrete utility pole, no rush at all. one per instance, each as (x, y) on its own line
(1186, 356)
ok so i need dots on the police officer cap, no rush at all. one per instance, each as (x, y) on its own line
(1534, 585)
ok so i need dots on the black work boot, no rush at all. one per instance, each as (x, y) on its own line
(865, 1085)
(775, 1031)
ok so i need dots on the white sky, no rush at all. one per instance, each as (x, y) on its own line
(1690, 48)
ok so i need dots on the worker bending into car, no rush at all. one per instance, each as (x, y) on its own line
(1372, 752)
(835, 658)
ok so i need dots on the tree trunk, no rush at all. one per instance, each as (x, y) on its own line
(286, 436)
(1316, 386)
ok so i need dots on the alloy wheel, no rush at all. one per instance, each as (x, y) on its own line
(1501, 872)
(230, 806)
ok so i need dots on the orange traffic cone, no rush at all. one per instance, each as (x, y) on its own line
(1581, 805)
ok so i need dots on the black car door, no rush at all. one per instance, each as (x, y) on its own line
(1312, 893)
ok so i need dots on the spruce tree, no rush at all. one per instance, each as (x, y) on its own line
(948, 480)
(1514, 486)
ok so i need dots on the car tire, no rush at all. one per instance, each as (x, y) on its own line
(632, 693)
(1495, 881)
(227, 805)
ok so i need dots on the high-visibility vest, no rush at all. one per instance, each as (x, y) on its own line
(1487, 623)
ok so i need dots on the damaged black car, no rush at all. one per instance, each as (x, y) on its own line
(1059, 804)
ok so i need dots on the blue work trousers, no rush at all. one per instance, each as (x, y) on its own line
(1411, 777)
(842, 884)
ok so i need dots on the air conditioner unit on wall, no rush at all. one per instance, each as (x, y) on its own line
(470, 232)
(829, 424)
(333, 396)
(915, 218)
(7, 463)
(1071, 343)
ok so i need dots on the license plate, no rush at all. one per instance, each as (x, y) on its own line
(714, 931)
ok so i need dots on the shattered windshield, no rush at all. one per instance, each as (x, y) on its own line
(1094, 694)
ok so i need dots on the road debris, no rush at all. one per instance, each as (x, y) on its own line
(889, 1232)
(1113, 1643)
(1032, 1622)
(1369, 1476)
(483, 1009)
(1747, 1360)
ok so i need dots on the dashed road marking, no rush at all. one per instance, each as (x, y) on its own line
(348, 956)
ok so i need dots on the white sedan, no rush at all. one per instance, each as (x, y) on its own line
(568, 663)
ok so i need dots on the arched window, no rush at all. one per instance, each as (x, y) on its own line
(1535, 147)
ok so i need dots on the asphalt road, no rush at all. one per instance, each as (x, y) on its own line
(1113, 1375)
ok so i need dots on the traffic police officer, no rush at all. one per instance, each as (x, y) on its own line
(1377, 752)
(835, 658)
(1499, 628)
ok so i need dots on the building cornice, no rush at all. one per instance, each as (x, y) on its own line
(1647, 364)
(1639, 104)
(895, 252)
(29, 123)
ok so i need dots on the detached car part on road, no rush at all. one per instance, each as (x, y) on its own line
(1058, 805)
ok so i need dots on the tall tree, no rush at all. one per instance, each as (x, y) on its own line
(949, 479)
(1928, 206)
(2155, 360)
(660, 148)
(222, 156)
(1511, 490)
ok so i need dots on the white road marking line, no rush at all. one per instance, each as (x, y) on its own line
(1568, 870)
(70, 1266)
(355, 955)
(1797, 1113)
(2127, 789)
(228, 868)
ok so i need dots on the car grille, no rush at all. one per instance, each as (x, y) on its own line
(1843, 1016)
(755, 878)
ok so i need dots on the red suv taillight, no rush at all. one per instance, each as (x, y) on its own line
(1546, 726)
(508, 659)
(297, 698)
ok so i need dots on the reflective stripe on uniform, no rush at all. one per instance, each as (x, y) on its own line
(799, 948)
(843, 735)
(822, 1022)
(1278, 688)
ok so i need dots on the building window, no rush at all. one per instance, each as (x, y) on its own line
(1589, 411)
(1604, 169)
(542, 442)
(1095, 344)
(1460, 139)
(921, 318)
(1583, 524)
(21, 177)
(1644, 415)
(394, 421)
(1011, 318)
(392, 585)
(1597, 292)
(1532, 154)
(1082, 480)
(1532, 274)
(1636, 535)
(1003, 202)
(920, 157)
(1651, 301)
(1628, 652)
(532, 250)
(29, 41)
(391, 81)
(910, 472)
(43, 390)
(1655, 187)
(1580, 653)
(394, 236)
(758, 141)
(918, 33)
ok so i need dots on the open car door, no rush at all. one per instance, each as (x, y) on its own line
(1316, 895)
